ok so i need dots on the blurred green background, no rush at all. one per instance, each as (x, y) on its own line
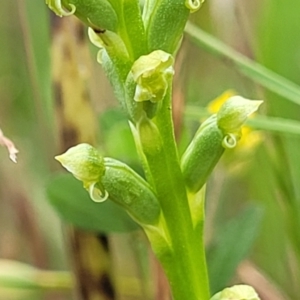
(253, 196)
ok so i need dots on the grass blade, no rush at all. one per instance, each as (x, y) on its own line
(255, 71)
(273, 124)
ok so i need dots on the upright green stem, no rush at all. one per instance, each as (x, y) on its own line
(185, 264)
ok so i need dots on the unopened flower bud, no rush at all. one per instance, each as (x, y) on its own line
(234, 113)
(84, 162)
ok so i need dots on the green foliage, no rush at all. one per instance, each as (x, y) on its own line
(231, 245)
(267, 175)
(258, 73)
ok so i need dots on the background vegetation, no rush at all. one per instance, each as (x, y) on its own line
(253, 202)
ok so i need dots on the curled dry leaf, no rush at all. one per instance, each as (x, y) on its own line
(4, 141)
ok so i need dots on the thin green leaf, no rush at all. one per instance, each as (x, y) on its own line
(232, 245)
(279, 125)
(258, 73)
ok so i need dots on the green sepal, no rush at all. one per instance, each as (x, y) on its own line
(128, 189)
(134, 28)
(115, 78)
(98, 14)
(115, 60)
(116, 50)
(164, 22)
(134, 109)
(202, 154)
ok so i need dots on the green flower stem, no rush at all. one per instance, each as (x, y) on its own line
(185, 263)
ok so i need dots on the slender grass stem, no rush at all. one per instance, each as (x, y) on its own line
(273, 124)
(255, 71)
